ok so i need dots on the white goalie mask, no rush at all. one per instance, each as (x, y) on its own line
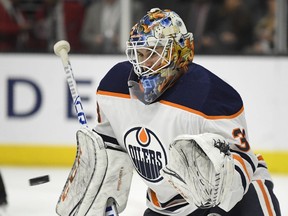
(160, 49)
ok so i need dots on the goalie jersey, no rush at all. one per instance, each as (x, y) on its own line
(198, 102)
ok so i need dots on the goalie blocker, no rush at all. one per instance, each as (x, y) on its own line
(99, 176)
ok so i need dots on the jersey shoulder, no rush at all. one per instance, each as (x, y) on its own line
(201, 90)
(116, 78)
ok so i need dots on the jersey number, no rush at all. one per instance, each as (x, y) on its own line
(238, 133)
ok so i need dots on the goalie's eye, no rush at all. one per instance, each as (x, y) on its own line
(140, 55)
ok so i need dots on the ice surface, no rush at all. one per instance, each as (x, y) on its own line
(40, 200)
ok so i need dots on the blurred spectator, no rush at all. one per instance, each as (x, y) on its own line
(59, 20)
(228, 29)
(197, 21)
(14, 28)
(101, 27)
(137, 12)
(198, 14)
(264, 31)
(45, 26)
(258, 7)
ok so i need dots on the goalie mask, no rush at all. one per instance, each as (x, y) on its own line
(160, 49)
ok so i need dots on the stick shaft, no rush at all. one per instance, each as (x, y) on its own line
(74, 93)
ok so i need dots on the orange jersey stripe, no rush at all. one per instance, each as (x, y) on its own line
(154, 198)
(260, 157)
(200, 113)
(269, 209)
(241, 161)
(121, 95)
(114, 94)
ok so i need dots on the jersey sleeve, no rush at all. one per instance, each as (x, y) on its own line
(104, 129)
(234, 129)
(226, 116)
(115, 81)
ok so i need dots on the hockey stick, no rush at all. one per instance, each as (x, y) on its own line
(61, 49)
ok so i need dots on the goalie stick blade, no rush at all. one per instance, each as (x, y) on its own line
(79, 177)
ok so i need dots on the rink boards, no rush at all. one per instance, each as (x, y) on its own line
(38, 123)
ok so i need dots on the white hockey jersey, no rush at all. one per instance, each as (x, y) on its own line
(198, 102)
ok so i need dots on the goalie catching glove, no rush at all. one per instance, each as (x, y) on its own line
(200, 168)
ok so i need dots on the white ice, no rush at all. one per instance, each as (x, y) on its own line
(40, 200)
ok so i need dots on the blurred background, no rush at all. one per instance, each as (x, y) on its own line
(244, 42)
(240, 27)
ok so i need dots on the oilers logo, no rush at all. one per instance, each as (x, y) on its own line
(147, 153)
